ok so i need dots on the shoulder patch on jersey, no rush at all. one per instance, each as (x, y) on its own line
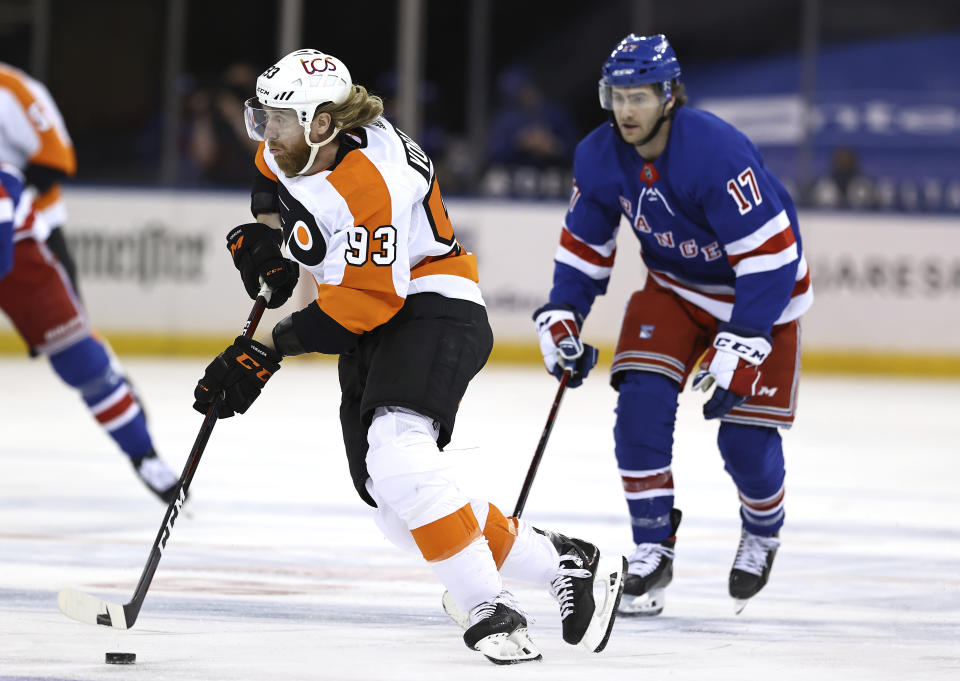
(300, 230)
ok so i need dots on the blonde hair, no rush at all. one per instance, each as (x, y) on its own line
(361, 108)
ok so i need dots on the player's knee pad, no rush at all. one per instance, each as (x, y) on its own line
(395, 529)
(753, 456)
(85, 365)
(408, 470)
(646, 414)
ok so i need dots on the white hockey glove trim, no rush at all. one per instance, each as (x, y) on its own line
(559, 337)
(732, 361)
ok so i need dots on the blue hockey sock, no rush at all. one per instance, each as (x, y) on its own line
(86, 366)
(646, 413)
(753, 456)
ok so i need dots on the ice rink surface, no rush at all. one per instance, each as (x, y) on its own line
(281, 574)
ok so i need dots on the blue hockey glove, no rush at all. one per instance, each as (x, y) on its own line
(733, 363)
(559, 329)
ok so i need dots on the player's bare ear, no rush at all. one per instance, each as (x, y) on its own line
(321, 126)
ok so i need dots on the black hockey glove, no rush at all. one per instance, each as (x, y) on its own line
(255, 248)
(239, 374)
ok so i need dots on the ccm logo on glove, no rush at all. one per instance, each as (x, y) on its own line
(237, 374)
(248, 362)
(751, 353)
(733, 365)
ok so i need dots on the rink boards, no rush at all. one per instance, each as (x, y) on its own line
(157, 279)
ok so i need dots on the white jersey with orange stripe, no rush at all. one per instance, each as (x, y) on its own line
(372, 228)
(32, 131)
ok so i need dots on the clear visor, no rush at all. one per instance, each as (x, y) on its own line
(634, 97)
(267, 122)
(606, 96)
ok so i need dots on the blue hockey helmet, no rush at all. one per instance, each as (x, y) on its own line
(639, 60)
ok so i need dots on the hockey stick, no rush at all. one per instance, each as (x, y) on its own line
(537, 455)
(90, 609)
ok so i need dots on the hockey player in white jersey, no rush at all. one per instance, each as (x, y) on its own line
(356, 202)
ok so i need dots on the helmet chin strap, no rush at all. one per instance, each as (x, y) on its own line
(656, 127)
(314, 146)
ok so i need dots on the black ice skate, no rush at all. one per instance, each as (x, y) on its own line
(498, 629)
(649, 572)
(157, 476)
(751, 567)
(585, 620)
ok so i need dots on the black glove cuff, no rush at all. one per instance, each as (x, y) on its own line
(258, 350)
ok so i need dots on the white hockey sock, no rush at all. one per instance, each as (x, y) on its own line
(533, 558)
(470, 576)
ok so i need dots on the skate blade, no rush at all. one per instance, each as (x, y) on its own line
(509, 648)
(647, 604)
(610, 573)
(454, 612)
(739, 604)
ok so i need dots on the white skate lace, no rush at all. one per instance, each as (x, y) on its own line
(155, 473)
(752, 553)
(486, 609)
(646, 558)
(562, 585)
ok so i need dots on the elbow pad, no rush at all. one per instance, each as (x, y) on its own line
(263, 196)
(312, 330)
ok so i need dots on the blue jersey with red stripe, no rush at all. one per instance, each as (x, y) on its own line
(714, 225)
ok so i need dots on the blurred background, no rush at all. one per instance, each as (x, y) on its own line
(855, 104)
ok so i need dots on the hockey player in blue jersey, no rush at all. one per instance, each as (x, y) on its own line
(726, 280)
(37, 295)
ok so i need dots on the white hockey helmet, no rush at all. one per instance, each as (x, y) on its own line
(301, 82)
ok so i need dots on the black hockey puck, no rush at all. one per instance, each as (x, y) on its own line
(121, 658)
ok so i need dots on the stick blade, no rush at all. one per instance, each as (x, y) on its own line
(91, 610)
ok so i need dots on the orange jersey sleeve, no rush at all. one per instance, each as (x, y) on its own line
(55, 148)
